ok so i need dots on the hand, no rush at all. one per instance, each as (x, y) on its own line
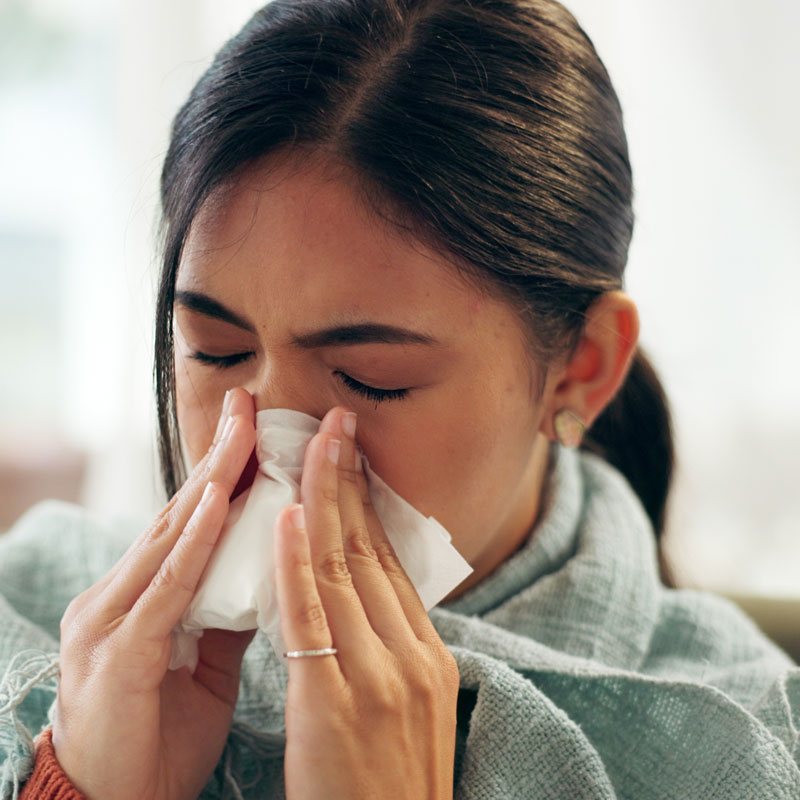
(379, 718)
(125, 726)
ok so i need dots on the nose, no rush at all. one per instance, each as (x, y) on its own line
(290, 388)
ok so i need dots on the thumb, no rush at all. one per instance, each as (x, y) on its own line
(219, 662)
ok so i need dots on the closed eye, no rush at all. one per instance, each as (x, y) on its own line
(221, 362)
(370, 392)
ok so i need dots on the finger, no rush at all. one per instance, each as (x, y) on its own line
(224, 414)
(319, 494)
(237, 402)
(378, 597)
(304, 623)
(219, 663)
(223, 468)
(406, 593)
(243, 403)
(161, 604)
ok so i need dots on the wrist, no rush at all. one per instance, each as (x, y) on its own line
(48, 780)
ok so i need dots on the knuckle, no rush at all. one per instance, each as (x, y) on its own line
(426, 692)
(334, 569)
(203, 465)
(130, 650)
(388, 697)
(432, 666)
(357, 542)
(348, 474)
(166, 579)
(330, 494)
(162, 524)
(388, 558)
(187, 499)
(420, 671)
(72, 610)
(298, 561)
(386, 705)
(69, 627)
(311, 615)
(171, 503)
(79, 638)
(79, 623)
(441, 676)
(448, 671)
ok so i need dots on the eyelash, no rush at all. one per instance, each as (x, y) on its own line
(370, 392)
(220, 362)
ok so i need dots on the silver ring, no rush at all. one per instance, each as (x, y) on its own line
(325, 651)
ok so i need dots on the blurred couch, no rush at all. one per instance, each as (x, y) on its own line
(27, 478)
(778, 618)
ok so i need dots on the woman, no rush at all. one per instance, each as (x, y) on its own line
(409, 220)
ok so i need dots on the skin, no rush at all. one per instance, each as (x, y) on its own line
(287, 249)
(295, 251)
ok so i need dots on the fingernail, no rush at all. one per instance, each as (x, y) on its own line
(333, 450)
(224, 415)
(349, 424)
(298, 518)
(207, 492)
(226, 431)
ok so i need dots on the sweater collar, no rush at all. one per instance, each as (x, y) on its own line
(589, 560)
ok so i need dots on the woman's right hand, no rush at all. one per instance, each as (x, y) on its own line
(126, 727)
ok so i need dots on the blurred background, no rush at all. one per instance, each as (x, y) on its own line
(709, 89)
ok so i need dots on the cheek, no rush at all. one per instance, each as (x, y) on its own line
(462, 459)
(456, 464)
(474, 483)
(198, 408)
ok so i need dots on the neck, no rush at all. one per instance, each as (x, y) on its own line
(515, 529)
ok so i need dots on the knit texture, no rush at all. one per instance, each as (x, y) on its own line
(48, 781)
(582, 677)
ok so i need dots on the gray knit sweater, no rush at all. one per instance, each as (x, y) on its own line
(582, 677)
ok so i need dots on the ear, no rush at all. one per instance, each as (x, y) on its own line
(591, 377)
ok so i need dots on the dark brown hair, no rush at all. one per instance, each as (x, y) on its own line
(487, 127)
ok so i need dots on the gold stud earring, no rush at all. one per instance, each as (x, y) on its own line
(569, 427)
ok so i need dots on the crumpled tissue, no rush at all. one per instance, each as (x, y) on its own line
(237, 589)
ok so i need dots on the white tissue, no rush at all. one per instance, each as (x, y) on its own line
(237, 590)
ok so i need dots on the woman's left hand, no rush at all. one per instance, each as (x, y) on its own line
(377, 719)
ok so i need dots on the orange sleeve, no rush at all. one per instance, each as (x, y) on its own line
(49, 781)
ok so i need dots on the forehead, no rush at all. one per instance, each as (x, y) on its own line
(296, 240)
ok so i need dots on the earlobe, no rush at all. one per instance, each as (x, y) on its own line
(597, 369)
(569, 427)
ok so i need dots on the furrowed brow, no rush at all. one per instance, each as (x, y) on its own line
(364, 333)
(203, 304)
(338, 336)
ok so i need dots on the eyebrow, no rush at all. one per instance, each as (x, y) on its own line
(340, 335)
(203, 304)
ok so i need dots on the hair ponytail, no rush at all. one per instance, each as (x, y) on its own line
(634, 434)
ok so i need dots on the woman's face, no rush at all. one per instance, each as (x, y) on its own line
(291, 252)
